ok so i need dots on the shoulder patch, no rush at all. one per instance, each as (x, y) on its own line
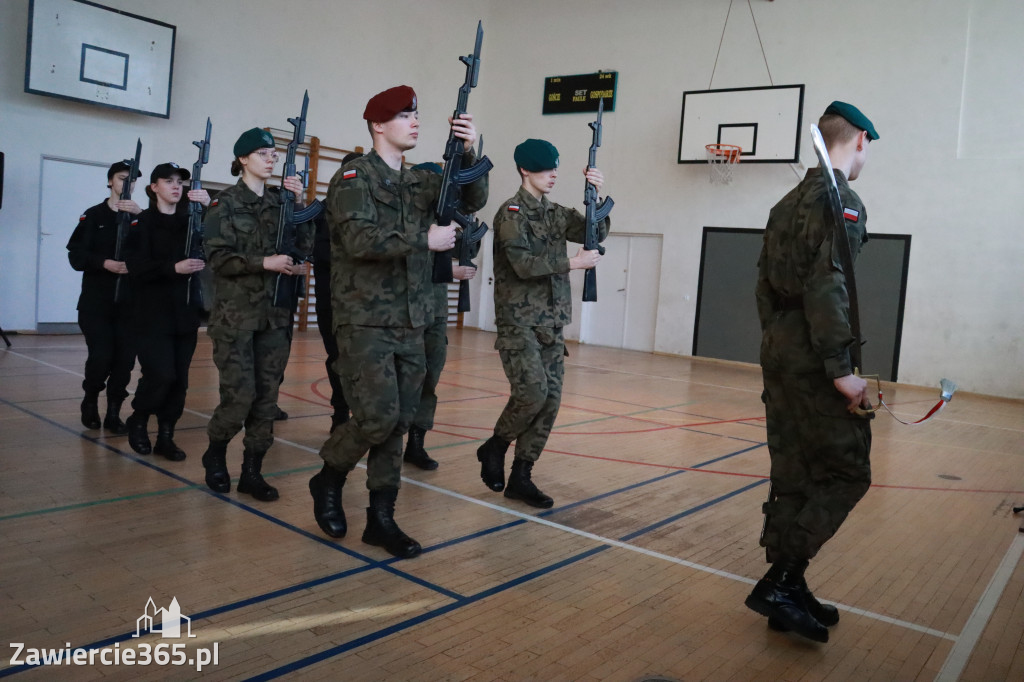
(81, 217)
(513, 208)
(850, 214)
(214, 203)
(349, 174)
(135, 222)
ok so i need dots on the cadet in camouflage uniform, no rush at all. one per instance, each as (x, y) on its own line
(532, 304)
(380, 216)
(251, 337)
(435, 344)
(819, 445)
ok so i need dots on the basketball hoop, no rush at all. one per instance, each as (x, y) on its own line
(721, 158)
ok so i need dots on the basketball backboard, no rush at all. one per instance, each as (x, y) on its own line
(765, 122)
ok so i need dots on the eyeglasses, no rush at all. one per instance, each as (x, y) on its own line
(267, 154)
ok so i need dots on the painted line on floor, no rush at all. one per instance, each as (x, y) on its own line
(958, 656)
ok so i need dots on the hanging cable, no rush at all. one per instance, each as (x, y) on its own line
(720, 41)
(763, 56)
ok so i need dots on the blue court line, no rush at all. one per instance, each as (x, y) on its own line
(423, 617)
(252, 510)
(224, 608)
(371, 564)
(301, 663)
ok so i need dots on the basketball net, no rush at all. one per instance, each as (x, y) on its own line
(721, 159)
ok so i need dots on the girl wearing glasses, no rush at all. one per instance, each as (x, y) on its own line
(251, 337)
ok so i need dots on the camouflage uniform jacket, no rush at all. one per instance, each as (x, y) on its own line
(239, 231)
(801, 291)
(531, 268)
(380, 265)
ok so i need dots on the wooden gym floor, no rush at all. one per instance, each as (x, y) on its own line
(657, 466)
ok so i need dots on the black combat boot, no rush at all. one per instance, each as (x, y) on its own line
(281, 415)
(325, 487)
(381, 529)
(521, 487)
(138, 433)
(826, 614)
(251, 481)
(165, 444)
(215, 463)
(112, 422)
(780, 596)
(491, 456)
(414, 452)
(90, 411)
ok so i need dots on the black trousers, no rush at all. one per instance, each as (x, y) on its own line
(325, 324)
(164, 359)
(110, 340)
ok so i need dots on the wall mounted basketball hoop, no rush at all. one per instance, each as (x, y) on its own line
(721, 159)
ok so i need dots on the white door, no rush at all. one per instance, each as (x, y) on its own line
(66, 189)
(625, 313)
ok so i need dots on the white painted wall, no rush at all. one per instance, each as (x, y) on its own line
(913, 66)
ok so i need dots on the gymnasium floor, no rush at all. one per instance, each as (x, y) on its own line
(657, 466)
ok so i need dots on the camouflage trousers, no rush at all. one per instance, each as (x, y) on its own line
(251, 366)
(820, 464)
(534, 362)
(381, 371)
(435, 346)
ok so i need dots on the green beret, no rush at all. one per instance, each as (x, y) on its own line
(251, 140)
(384, 106)
(854, 116)
(536, 155)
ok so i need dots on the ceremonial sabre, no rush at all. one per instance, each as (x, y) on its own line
(946, 386)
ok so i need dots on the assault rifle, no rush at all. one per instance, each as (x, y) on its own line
(288, 288)
(194, 239)
(124, 218)
(596, 212)
(454, 176)
(468, 249)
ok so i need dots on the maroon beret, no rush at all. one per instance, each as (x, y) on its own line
(384, 106)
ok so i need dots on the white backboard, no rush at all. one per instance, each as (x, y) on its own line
(85, 52)
(765, 122)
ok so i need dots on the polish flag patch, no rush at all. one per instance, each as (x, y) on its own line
(851, 214)
(349, 174)
(514, 208)
(214, 203)
(81, 217)
(135, 222)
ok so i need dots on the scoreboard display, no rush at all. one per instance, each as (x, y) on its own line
(580, 93)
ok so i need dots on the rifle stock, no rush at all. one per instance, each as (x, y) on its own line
(595, 212)
(124, 218)
(454, 177)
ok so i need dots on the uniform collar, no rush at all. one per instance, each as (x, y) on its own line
(249, 197)
(530, 202)
(815, 173)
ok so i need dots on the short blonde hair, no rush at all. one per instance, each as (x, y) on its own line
(836, 130)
